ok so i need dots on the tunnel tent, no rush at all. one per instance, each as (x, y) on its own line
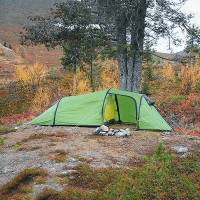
(103, 107)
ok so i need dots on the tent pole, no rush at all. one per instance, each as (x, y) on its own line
(137, 125)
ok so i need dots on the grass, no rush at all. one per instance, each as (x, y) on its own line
(2, 141)
(20, 186)
(36, 136)
(40, 180)
(50, 195)
(23, 148)
(58, 158)
(5, 129)
(60, 151)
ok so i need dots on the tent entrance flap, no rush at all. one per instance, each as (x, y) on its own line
(109, 113)
(127, 109)
(120, 108)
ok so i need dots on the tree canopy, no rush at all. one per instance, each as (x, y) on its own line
(132, 26)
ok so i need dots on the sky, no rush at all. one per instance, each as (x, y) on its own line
(191, 6)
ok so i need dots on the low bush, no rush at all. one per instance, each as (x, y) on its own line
(162, 177)
(176, 98)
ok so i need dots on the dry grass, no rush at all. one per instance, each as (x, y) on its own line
(58, 158)
(20, 185)
(40, 180)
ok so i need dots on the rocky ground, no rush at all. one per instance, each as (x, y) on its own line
(42, 146)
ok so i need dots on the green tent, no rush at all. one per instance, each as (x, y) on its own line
(103, 107)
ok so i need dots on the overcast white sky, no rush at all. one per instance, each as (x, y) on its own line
(191, 6)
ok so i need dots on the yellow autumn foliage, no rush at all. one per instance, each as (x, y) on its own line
(82, 82)
(168, 73)
(190, 76)
(29, 76)
(109, 75)
(41, 100)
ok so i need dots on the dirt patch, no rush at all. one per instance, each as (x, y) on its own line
(59, 149)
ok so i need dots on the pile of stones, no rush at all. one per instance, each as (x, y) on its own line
(105, 131)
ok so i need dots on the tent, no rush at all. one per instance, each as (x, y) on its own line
(103, 107)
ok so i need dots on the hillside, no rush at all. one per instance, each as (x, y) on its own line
(9, 60)
(14, 14)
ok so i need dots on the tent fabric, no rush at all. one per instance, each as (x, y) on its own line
(95, 109)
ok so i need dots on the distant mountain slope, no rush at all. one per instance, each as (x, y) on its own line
(13, 13)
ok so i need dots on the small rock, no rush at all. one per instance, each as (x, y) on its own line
(37, 165)
(37, 127)
(116, 130)
(97, 131)
(68, 129)
(16, 128)
(165, 138)
(103, 133)
(47, 162)
(72, 160)
(180, 150)
(112, 130)
(68, 171)
(122, 134)
(122, 130)
(6, 169)
(127, 130)
(110, 133)
(57, 185)
(104, 128)
(1, 158)
(89, 154)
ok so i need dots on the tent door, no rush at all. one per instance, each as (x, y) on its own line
(109, 113)
(125, 109)
(120, 108)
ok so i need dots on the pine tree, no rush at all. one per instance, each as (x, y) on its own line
(133, 26)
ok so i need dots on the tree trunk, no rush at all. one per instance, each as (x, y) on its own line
(122, 51)
(137, 41)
